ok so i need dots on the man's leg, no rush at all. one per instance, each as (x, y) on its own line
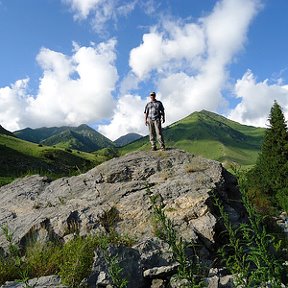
(159, 134)
(152, 133)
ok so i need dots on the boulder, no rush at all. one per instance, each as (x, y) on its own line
(116, 195)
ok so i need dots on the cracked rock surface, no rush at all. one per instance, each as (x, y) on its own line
(117, 193)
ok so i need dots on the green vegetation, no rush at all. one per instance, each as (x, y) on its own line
(256, 251)
(20, 158)
(203, 133)
(269, 178)
(252, 254)
(189, 267)
(115, 271)
(212, 136)
(82, 138)
(72, 260)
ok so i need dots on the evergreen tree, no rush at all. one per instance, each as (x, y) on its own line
(271, 170)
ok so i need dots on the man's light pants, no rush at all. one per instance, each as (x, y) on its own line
(155, 130)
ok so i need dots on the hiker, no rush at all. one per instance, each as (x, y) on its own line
(154, 114)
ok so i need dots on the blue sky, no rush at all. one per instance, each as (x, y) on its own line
(68, 62)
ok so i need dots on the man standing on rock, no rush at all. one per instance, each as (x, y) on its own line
(154, 114)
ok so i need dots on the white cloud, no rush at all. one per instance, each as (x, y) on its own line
(73, 90)
(83, 8)
(256, 100)
(191, 94)
(14, 101)
(188, 62)
(163, 50)
(185, 62)
(226, 27)
(100, 11)
(130, 82)
(126, 118)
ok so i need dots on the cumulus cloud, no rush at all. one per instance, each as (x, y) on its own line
(100, 11)
(126, 118)
(83, 8)
(73, 89)
(188, 62)
(256, 100)
(163, 50)
(14, 102)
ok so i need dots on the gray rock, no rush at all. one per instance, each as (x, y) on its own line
(35, 207)
(158, 283)
(116, 195)
(159, 272)
(178, 283)
(52, 281)
(127, 259)
(218, 278)
(154, 253)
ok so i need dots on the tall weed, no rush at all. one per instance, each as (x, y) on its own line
(252, 254)
(13, 266)
(72, 260)
(115, 271)
(189, 267)
(76, 260)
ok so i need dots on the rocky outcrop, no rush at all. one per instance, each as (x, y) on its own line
(52, 281)
(117, 194)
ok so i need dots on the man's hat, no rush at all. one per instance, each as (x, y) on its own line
(152, 94)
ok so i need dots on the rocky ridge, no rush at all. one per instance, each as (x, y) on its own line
(35, 207)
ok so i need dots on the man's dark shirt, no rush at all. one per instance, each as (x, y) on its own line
(155, 110)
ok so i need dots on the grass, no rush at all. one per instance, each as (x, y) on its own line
(72, 260)
(203, 133)
(19, 158)
(211, 136)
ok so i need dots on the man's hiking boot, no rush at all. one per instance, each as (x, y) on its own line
(153, 148)
(162, 149)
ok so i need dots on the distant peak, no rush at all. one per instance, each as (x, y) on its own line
(6, 132)
(84, 126)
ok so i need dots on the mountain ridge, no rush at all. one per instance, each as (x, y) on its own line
(82, 138)
(202, 133)
(3, 131)
(210, 135)
(126, 139)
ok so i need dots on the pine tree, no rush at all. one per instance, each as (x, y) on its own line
(271, 170)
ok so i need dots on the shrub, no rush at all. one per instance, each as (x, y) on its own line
(282, 199)
(42, 258)
(76, 260)
(260, 201)
(252, 254)
(72, 260)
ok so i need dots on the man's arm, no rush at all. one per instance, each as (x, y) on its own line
(163, 117)
(162, 113)
(146, 115)
(146, 118)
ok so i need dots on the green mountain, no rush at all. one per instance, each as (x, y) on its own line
(82, 138)
(37, 135)
(3, 131)
(212, 136)
(203, 133)
(126, 139)
(19, 157)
